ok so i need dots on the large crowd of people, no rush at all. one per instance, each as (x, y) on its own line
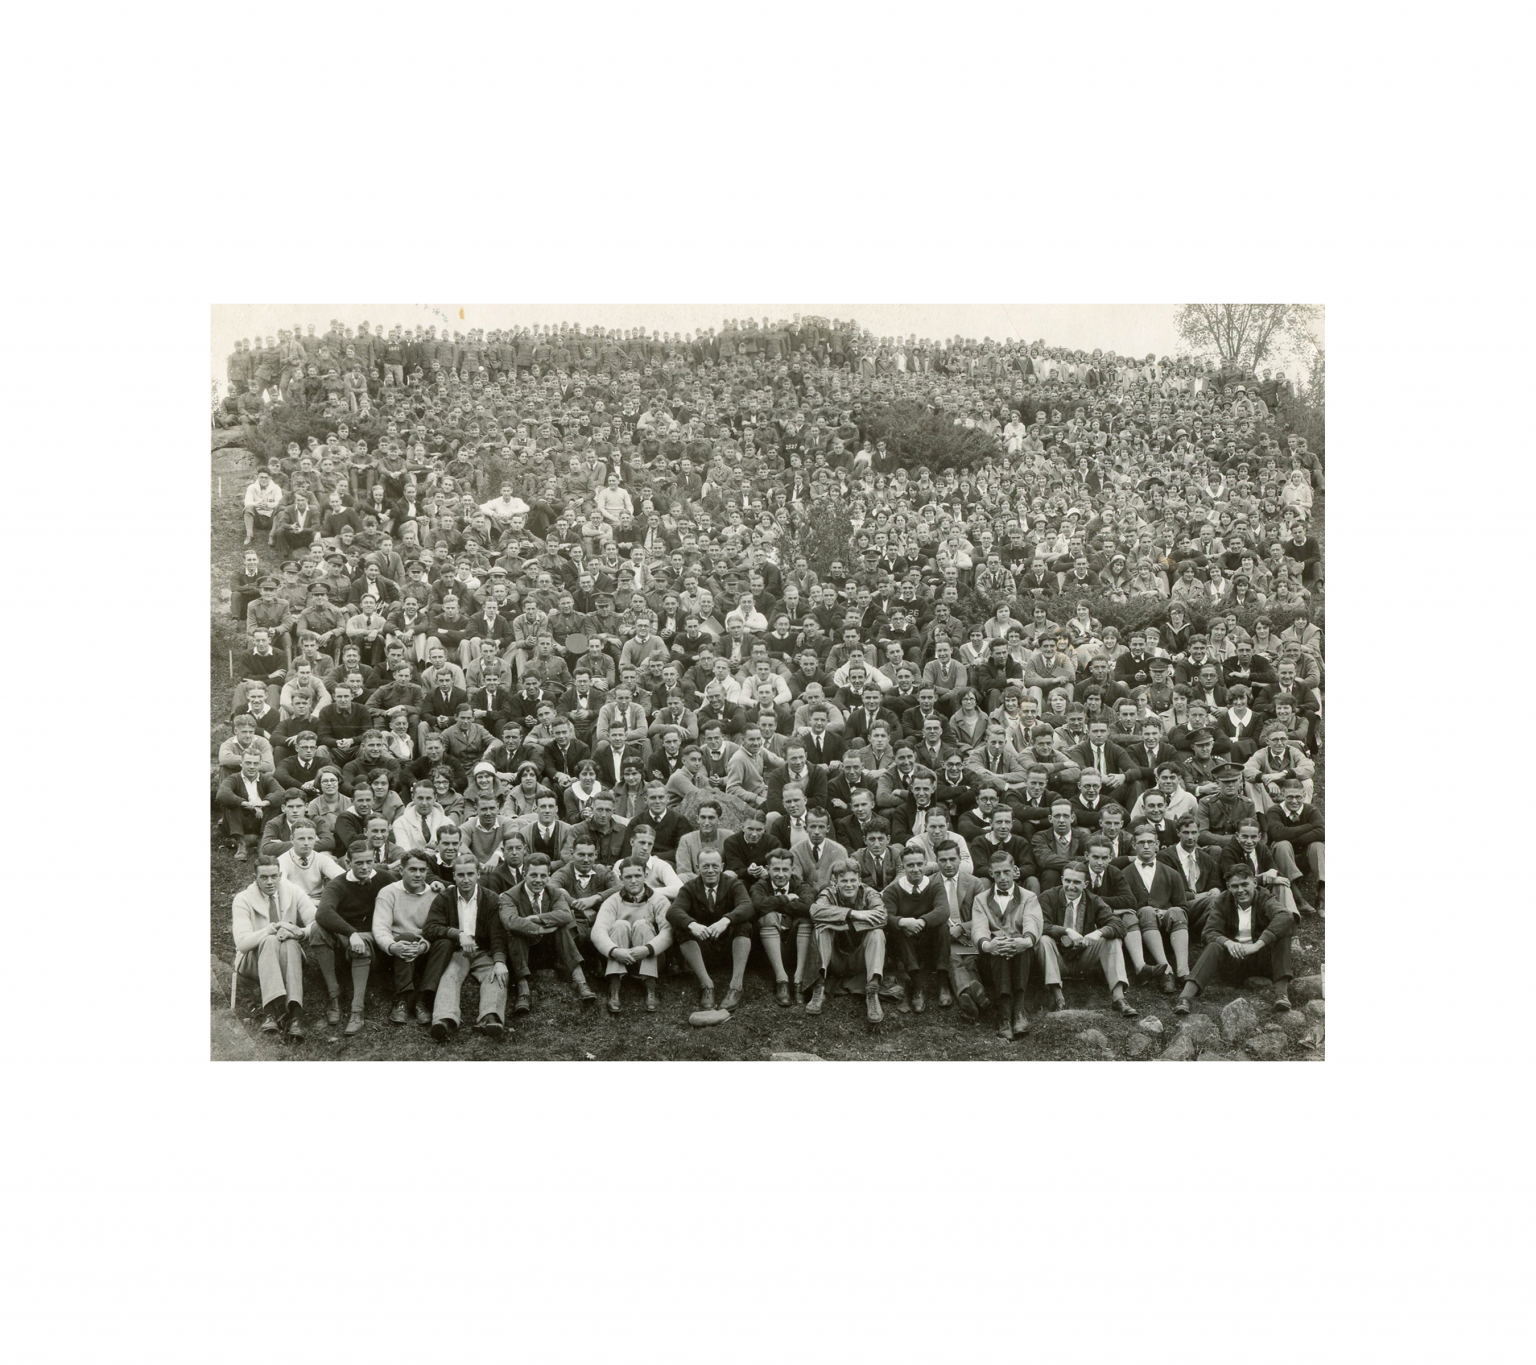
(653, 657)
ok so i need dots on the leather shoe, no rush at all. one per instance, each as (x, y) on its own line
(1020, 1024)
(1181, 1006)
(919, 1001)
(296, 1028)
(799, 993)
(781, 994)
(585, 993)
(1283, 1003)
(270, 1025)
(1058, 1000)
(650, 998)
(707, 998)
(354, 1023)
(440, 1030)
(945, 998)
(818, 999)
(333, 1011)
(423, 1015)
(1168, 987)
(491, 1026)
(872, 1010)
(524, 1001)
(968, 1006)
(1150, 971)
(1125, 1008)
(1005, 1031)
(613, 998)
(398, 1015)
(732, 999)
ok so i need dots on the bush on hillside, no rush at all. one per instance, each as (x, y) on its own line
(915, 437)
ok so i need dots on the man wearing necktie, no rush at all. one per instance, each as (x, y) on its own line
(1081, 936)
(918, 925)
(539, 922)
(271, 920)
(1006, 925)
(711, 913)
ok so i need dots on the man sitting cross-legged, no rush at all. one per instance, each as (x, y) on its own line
(467, 940)
(631, 932)
(850, 924)
(1247, 933)
(711, 910)
(1006, 925)
(1082, 934)
(783, 907)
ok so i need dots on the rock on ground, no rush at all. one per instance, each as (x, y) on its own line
(793, 1057)
(1138, 1045)
(1093, 1038)
(1202, 1030)
(1267, 1046)
(704, 1018)
(1294, 1024)
(1181, 1049)
(1305, 988)
(1315, 1008)
(1150, 1024)
(1238, 1020)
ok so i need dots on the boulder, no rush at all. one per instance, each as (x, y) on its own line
(1093, 1038)
(1257, 983)
(225, 437)
(1294, 1025)
(1202, 1030)
(1218, 1057)
(1139, 1045)
(1150, 1024)
(1305, 988)
(793, 1057)
(1238, 1020)
(705, 1018)
(1314, 1008)
(1267, 1046)
(1181, 1049)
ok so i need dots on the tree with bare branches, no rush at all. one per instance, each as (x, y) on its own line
(1243, 334)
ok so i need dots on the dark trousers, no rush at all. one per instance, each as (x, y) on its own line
(1215, 963)
(924, 952)
(1006, 976)
(558, 948)
(409, 977)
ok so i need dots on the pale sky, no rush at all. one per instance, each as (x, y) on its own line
(1129, 329)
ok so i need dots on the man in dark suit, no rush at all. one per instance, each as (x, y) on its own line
(1110, 761)
(864, 718)
(249, 799)
(822, 747)
(781, 903)
(1201, 870)
(668, 824)
(1144, 760)
(548, 833)
(540, 925)
(1158, 895)
(1294, 827)
(799, 772)
(1081, 934)
(879, 864)
(1052, 849)
(713, 910)
(562, 758)
(1247, 933)
(467, 939)
(1247, 848)
(440, 706)
(746, 851)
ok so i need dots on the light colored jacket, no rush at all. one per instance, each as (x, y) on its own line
(652, 911)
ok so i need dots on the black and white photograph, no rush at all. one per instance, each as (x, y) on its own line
(763, 682)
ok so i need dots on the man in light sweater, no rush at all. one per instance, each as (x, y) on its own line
(306, 867)
(631, 932)
(398, 916)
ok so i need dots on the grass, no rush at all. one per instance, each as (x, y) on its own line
(559, 1029)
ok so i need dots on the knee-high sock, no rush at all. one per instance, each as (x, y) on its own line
(805, 952)
(693, 955)
(360, 967)
(741, 950)
(1152, 941)
(325, 959)
(773, 950)
(1179, 938)
(1133, 949)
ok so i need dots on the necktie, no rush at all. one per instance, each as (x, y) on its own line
(1071, 915)
(815, 853)
(1098, 759)
(272, 904)
(954, 899)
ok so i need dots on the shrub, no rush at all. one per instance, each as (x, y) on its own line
(915, 437)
